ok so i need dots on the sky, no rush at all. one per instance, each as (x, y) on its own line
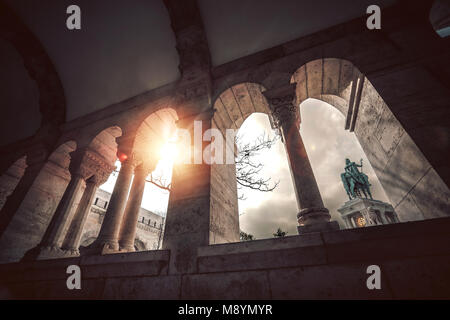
(262, 213)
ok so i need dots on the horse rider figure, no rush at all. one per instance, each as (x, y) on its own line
(355, 181)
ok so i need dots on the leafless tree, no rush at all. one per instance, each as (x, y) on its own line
(248, 172)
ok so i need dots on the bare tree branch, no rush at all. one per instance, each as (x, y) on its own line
(159, 182)
(247, 170)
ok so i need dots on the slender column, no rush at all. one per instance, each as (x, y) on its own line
(50, 245)
(313, 216)
(108, 238)
(72, 240)
(347, 222)
(53, 235)
(130, 218)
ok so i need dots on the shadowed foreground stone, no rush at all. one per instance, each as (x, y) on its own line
(413, 257)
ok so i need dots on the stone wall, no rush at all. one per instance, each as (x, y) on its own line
(413, 258)
(10, 179)
(412, 185)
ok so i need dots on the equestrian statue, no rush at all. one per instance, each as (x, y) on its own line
(356, 183)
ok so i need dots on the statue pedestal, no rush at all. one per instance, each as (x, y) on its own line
(362, 212)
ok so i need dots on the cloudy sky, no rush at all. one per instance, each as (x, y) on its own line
(327, 145)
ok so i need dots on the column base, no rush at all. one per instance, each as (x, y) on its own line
(49, 253)
(101, 248)
(318, 227)
(313, 215)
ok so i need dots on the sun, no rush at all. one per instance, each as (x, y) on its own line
(169, 151)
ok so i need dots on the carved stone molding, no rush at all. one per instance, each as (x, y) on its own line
(87, 163)
(282, 102)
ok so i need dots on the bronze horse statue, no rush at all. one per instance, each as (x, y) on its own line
(355, 183)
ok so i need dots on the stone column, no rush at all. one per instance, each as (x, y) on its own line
(36, 159)
(130, 218)
(72, 240)
(313, 216)
(50, 245)
(108, 238)
(348, 223)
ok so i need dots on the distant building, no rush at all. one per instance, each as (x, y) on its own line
(149, 231)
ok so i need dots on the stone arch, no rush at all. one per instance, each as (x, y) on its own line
(11, 177)
(232, 107)
(52, 102)
(105, 143)
(238, 102)
(154, 130)
(440, 17)
(414, 188)
(35, 212)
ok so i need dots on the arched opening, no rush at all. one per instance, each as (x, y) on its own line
(97, 162)
(244, 108)
(10, 178)
(412, 185)
(262, 213)
(440, 17)
(34, 214)
(153, 149)
(328, 144)
(21, 117)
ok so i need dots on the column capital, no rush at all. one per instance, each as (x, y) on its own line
(282, 103)
(88, 163)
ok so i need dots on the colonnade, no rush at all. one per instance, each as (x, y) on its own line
(191, 217)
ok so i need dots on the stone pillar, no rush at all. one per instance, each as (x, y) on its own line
(313, 216)
(36, 159)
(188, 221)
(130, 217)
(51, 243)
(108, 238)
(72, 240)
(348, 222)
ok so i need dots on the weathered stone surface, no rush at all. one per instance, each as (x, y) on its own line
(408, 210)
(404, 169)
(389, 131)
(331, 75)
(329, 282)
(314, 75)
(234, 285)
(154, 288)
(432, 196)
(419, 278)
(263, 259)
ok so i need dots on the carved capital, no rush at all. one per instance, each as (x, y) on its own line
(87, 163)
(282, 102)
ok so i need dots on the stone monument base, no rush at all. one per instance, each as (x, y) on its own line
(362, 212)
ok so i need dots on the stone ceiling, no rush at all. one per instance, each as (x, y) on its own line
(126, 48)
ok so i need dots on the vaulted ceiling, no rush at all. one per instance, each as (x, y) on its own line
(128, 47)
